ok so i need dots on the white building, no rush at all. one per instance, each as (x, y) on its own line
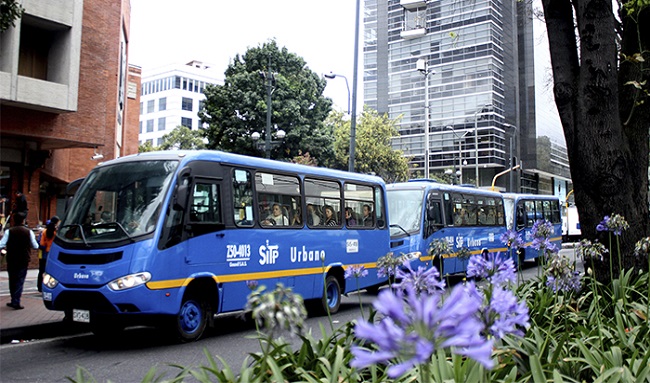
(172, 96)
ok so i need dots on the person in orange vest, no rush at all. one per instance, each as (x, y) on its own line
(45, 243)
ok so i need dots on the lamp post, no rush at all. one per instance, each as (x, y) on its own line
(270, 82)
(460, 153)
(514, 131)
(479, 111)
(355, 75)
(332, 76)
(423, 67)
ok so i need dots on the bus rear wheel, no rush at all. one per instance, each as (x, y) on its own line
(331, 300)
(191, 321)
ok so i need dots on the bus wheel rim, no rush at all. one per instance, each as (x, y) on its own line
(331, 295)
(190, 317)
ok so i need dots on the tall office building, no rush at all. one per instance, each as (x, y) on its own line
(469, 64)
(172, 96)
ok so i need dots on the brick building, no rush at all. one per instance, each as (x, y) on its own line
(68, 98)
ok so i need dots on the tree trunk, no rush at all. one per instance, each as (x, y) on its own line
(608, 149)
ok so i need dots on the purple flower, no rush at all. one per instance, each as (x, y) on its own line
(589, 251)
(252, 285)
(642, 247)
(504, 315)
(425, 280)
(561, 274)
(542, 229)
(388, 264)
(616, 224)
(413, 327)
(603, 225)
(496, 268)
(512, 239)
(355, 271)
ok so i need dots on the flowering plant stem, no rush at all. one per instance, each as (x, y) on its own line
(425, 373)
(327, 307)
(359, 295)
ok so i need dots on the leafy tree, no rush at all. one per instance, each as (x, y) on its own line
(146, 147)
(373, 152)
(183, 137)
(599, 53)
(237, 109)
(10, 11)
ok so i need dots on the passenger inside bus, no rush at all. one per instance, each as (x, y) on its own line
(313, 217)
(276, 217)
(330, 216)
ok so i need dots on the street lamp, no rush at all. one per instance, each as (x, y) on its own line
(460, 153)
(514, 131)
(332, 76)
(423, 67)
(267, 144)
(479, 111)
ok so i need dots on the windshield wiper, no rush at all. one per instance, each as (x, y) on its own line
(81, 231)
(401, 228)
(111, 224)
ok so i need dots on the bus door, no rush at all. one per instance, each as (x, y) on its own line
(433, 214)
(204, 224)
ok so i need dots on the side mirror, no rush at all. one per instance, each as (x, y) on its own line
(180, 197)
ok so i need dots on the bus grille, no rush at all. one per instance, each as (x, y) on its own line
(89, 259)
(84, 300)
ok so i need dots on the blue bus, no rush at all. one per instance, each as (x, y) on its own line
(523, 210)
(422, 211)
(173, 237)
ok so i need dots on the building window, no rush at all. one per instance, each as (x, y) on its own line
(161, 123)
(150, 106)
(149, 126)
(141, 109)
(140, 127)
(187, 122)
(162, 103)
(187, 104)
(35, 44)
(160, 141)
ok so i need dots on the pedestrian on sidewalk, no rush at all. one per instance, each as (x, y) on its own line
(45, 243)
(18, 241)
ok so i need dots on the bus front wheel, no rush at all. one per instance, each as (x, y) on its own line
(331, 300)
(191, 320)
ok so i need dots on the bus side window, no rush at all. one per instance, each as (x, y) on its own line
(242, 190)
(521, 215)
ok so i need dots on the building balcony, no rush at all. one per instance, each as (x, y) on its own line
(413, 4)
(413, 33)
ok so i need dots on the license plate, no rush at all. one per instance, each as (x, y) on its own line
(81, 316)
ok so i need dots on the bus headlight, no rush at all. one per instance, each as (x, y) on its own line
(49, 281)
(412, 255)
(129, 281)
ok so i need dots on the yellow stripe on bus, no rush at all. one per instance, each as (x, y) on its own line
(176, 283)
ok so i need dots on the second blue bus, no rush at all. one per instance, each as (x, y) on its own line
(422, 211)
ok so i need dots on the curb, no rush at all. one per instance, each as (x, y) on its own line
(40, 331)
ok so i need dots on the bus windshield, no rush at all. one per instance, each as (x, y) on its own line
(118, 202)
(405, 210)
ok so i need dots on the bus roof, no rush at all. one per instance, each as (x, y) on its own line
(518, 196)
(186, 156)
(424, 185)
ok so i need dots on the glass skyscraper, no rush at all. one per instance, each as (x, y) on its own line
(476, 63)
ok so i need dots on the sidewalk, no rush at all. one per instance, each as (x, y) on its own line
(35, 321)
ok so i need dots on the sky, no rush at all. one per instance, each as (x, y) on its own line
(167, 32)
